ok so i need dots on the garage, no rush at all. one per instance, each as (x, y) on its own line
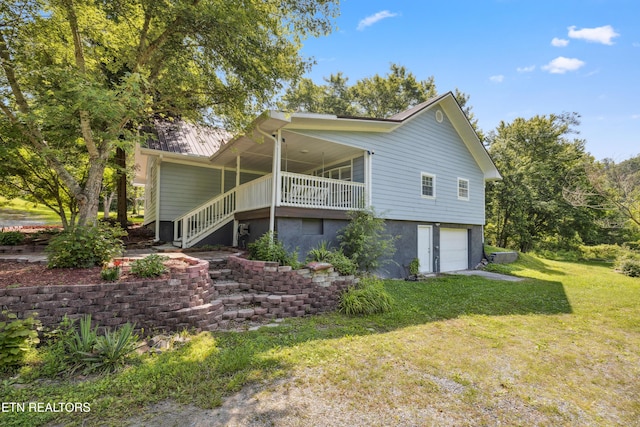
(454, 249)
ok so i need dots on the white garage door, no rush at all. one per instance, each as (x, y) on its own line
(454, 249)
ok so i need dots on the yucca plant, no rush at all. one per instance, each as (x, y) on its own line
(111, 350)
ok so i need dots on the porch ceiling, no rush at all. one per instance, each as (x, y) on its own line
(299, 153)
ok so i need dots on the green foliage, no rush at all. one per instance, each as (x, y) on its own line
(149, 266)
(56, 355)
(601, 252)
(414, 267)
(629, 267)
(628, 263)
(110, 274)
(368, 297)
(536, 158)
(85, 246)
(342, 263)
(84, 349)
(119, 64)
(269, 248)
(111, 351)
(321, 253)
(11, 238)
(366, 242)
(17, 338)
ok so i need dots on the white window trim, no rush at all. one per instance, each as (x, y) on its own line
(468, 188)
(433, 179)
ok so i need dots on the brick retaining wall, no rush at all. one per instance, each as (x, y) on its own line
(149, 303)
(188, 298)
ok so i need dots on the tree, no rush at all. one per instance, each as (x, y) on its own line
(80, 76)
(376, 97)
(610, 187)
(536, 158)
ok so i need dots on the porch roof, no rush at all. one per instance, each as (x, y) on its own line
(302, 153)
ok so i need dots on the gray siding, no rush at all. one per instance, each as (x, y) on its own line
(358, 169)
(184, 187)
(419, 145)
(151, 192)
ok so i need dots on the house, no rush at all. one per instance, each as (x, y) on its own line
(424, 170)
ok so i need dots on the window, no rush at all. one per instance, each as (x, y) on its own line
(428, 185)
(312, 226)
(463, 189)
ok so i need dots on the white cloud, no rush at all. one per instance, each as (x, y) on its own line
(372, 19)
(635, 116)
(595, 35)
(561, 65)
(528, 69)
(497, 79)
(559, 42)
(635, 44)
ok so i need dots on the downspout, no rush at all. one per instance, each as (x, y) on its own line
(274, 169)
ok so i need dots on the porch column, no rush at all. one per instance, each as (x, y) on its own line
(275, 169)
(235, 222)
(367, 177)
(237, 171)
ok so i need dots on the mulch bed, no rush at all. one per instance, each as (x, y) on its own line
(21, 274)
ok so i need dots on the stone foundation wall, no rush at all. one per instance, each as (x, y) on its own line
(149, 303)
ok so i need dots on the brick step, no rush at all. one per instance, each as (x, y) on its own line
(225, 287)
(219, 273)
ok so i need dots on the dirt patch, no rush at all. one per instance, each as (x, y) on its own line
(20, 274)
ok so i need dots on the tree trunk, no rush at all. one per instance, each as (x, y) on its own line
(121, 163)
(107, 201)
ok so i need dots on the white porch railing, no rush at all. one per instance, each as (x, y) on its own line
(205, 219)
(321, 193)
(255, 194)
(297, 190)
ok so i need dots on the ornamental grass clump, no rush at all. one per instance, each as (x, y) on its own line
(368, 297)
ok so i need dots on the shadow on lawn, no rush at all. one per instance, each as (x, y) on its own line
(450, 297)
(203, 375)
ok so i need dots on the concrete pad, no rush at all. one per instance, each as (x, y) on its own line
(488, 275)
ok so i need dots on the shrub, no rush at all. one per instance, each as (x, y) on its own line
(601, 252)
(366, 242)
(11, 238)
(85, 246)
(17, 338)
(628, 265)
(414, 267)
(368, 297)
(149, 266)
(342, 264)
(269, 248)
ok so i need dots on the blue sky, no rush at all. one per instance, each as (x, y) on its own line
(514, 58)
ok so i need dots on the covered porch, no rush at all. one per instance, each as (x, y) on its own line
(298, 171)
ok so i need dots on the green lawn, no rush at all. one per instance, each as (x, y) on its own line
(561, 348)
(29, 210)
